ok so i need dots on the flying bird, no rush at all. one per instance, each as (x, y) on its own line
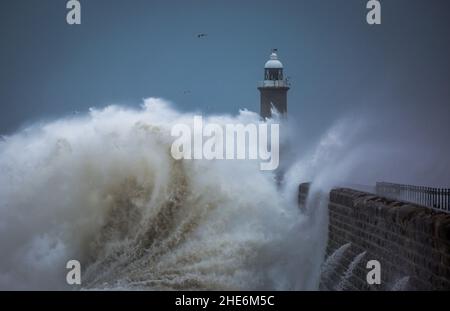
(202, 35)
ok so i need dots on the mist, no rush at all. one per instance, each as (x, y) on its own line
(368, 145)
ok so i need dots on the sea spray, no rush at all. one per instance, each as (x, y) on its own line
(333, 261)
(401, 284)
(349, 272)
(103, 189)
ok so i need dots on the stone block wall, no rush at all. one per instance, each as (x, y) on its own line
(411, 242)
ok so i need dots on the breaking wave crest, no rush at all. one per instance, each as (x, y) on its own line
(103, 189)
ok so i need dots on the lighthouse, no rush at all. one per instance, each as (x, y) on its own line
(274, 88)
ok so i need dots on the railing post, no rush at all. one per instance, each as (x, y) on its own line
(429, 197)
(434, 197)
(420, 194)
(425, 196)
(438, 194)
(438, 197)
(448, 199)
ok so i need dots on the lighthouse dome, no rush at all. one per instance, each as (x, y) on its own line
(273, 62)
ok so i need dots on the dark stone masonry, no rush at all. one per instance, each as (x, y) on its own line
(411, 242)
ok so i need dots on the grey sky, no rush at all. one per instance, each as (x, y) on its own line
(124, 51)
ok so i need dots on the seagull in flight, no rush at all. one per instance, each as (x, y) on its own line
(202, 35)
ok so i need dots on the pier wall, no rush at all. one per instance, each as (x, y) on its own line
(411, 242)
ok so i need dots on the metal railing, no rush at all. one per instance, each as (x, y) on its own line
(274, 83)
(438, 198)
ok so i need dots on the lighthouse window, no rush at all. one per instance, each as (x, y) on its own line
(274, 74)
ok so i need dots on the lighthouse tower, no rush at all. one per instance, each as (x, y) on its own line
(274, 88)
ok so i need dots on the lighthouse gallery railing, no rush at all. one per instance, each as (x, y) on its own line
(274, 83)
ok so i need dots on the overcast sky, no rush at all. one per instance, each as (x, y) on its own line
(397, 72)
